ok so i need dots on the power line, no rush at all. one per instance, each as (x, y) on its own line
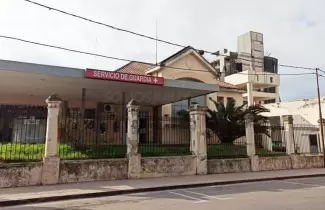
(279, 74)
(124, 59)
(146, 36)
(103, 24)
(321, 70)
(66, 49)
(321, 75)
(296, 67)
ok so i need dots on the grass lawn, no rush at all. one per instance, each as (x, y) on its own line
(235, 151)
(34, 152)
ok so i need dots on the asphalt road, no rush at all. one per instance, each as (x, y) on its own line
(297, 194)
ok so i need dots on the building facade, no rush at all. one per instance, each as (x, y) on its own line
(93, 109)
(188, 65)
(250, 69)
(305, 120)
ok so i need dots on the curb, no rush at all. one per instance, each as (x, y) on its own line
(8, 203)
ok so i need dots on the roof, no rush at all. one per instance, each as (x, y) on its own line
(135, 68)
(226, 85)
(175, 55)
(141, 68)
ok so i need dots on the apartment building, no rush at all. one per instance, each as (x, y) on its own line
(250, 69)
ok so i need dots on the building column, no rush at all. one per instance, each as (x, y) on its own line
(250, 100)
(133, 156)
(198, 137)
(250, 135)
(277, 91)
(51, 161)
(250, 142)
(288, 127)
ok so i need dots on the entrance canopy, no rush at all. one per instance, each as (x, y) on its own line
(23, 80)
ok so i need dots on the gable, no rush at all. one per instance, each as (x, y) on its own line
(181, 68)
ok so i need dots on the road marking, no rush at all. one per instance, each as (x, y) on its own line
(190, 197)
(207, 196)
(298, 183)
(232, 185)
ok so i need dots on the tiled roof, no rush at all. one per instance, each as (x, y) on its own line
(226, 85)
(140, 68)
(135, 68)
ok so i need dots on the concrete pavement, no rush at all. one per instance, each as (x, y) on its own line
(25, 195)
(298, 194)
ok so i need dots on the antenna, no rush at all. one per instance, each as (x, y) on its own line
(96, 45)
(156, 42)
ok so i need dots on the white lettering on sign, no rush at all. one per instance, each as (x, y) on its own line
(107, 75)
(125, 77)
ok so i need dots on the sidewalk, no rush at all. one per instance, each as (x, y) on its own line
(24, 195)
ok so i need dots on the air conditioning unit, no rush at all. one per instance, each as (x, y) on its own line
(108, 108)
(109, 112)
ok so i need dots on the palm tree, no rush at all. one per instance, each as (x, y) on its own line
(228, 122)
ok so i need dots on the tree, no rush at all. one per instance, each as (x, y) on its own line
(228, 122)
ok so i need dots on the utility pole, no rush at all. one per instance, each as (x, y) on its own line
(320, 114)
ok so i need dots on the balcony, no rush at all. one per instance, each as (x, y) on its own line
(261, 96)
(259, 79)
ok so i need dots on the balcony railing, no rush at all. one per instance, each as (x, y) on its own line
(264, 79)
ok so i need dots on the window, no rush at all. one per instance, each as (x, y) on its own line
(90, 114)
(229, 99)
(239, 67)
(185, 104)
(198, 100)
(271, 79)
(220, 99)
(178, 106)
(256, 77)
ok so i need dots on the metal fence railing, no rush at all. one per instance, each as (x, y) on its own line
(93, 135)
(22, 132)
(306, 139)
(166, 136)
(100, 136)
(271, 141)
(90, 135)
(218, 149)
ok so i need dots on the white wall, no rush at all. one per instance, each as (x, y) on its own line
(304, 111)
(256, 78)
(305, 115)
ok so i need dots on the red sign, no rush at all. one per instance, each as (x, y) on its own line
(123, 77)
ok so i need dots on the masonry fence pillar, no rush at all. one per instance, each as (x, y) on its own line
(51, 161)
(250, 142)
(289, 140)
(132, 141)
(198, 137)
(320, 139)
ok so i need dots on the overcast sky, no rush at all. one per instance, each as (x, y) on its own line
(294, 32)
